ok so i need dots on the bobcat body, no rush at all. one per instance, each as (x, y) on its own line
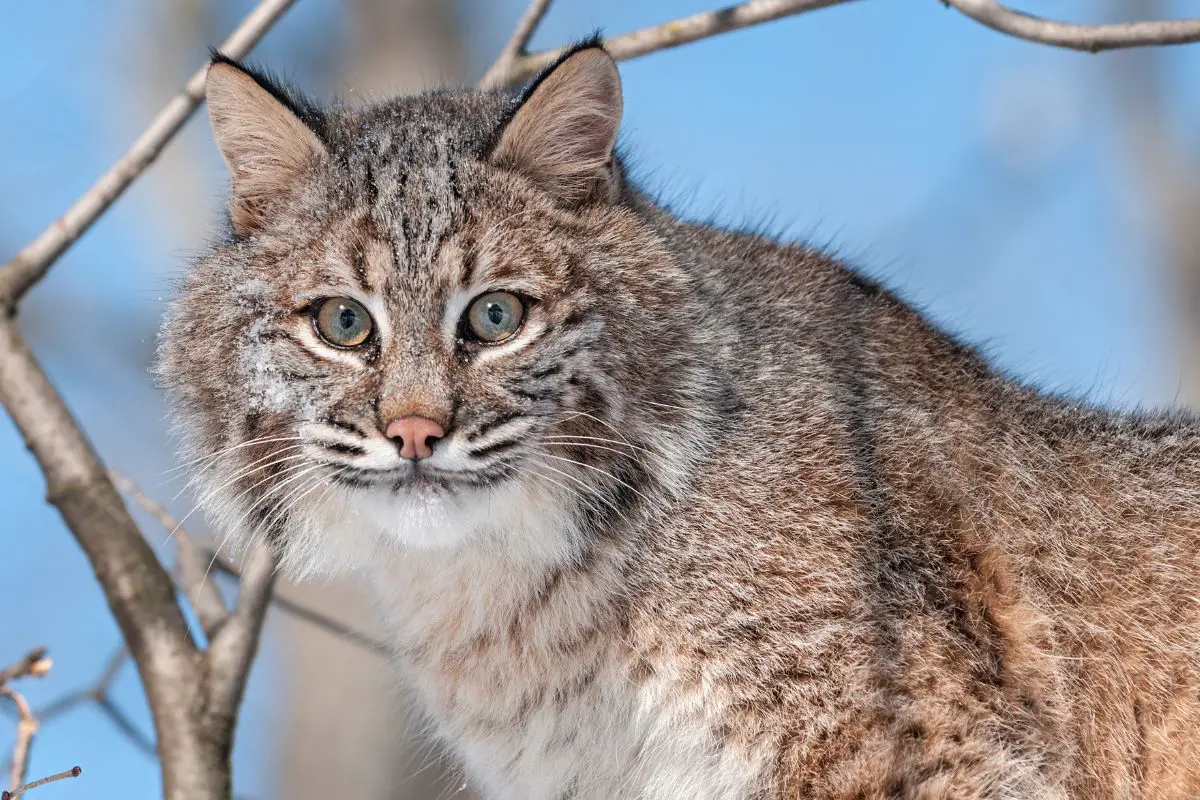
(715, 518)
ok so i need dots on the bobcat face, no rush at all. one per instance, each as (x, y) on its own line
(424, 326)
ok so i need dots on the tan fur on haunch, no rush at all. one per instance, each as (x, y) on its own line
(723, 521)
(562, 137)
(264, 145)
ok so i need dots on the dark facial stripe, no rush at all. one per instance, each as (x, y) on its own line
(492, 449)
(344, 449)
(493, 424)
(349, 427)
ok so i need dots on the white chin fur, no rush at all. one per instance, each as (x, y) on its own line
(346, 530)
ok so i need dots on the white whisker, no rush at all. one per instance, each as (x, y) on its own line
(603, 472)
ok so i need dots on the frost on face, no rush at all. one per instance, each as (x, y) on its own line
(268, 387)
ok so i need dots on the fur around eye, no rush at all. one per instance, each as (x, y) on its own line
(342, 322)
(494, 317)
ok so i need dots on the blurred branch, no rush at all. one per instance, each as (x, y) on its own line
(1165, 169)
(517, 44)
(204, 556)
(659, 37)
(99, 693)
(31, 263)
(191, 566)
(35, 663)
(1091, 38)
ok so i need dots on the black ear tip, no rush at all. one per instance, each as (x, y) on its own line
(217, 57)
(591, 43)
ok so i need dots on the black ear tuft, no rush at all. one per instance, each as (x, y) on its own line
(288, 96)
(595, 40)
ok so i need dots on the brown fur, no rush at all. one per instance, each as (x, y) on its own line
(743, 523)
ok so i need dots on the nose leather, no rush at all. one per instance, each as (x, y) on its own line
(414, 435)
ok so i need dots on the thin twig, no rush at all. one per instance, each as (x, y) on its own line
(205, 598)
(31, 263)
(516, 46)
(673, 34)
(73, 772)
(341, 630)
(27, 726)
(303, 612)
(1090, 38)
(97, 690)
(124, 724)
(35, 664)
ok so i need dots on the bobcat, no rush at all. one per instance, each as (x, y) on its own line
(652, 509)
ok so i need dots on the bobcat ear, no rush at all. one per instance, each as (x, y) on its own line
(266, 145)
(562, 136)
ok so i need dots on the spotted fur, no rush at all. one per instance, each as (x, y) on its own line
(724, 520)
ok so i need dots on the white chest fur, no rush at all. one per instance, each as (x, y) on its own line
(526, 673)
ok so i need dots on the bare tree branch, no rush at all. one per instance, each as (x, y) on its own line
(232, 649)
(1090, 38)
(323, 621)
(138, 589)
(674, 34)
(516, 46)
(31, 263)
(203, 556)
(194, 735)
(27, 727)
(35, 664)
(205, 598)
(73, 772)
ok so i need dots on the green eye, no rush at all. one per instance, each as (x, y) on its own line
(342, 322)
(494, 317)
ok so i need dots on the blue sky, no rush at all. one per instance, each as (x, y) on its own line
(983, 178)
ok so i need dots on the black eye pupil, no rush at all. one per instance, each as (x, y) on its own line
(347, 318)
(495, 313)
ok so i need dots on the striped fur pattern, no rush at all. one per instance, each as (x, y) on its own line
(724, 519)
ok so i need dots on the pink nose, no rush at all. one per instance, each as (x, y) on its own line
(415, 434)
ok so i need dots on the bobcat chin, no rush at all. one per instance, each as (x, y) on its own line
(652, 509)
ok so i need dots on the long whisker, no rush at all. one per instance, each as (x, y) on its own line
(608, 425)
(222, 452)
(299, 472)
(592, 490)
(570, 490)
(603, 472)
(573, 437)
(209, 495)
(272, 454)
(570, 443)
(668, 405)
(278, 512)
(237, 524)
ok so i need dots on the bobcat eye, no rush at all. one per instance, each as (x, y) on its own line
(494, 317)
(342, 322)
